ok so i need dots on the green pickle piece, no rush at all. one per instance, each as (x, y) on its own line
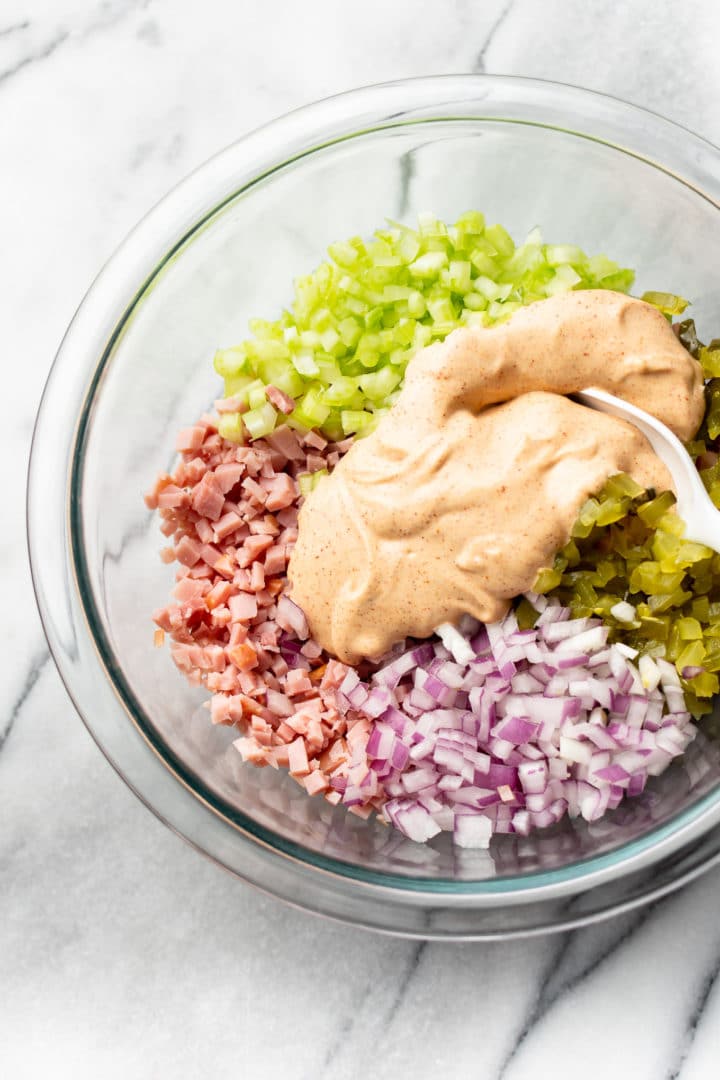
(641, 556)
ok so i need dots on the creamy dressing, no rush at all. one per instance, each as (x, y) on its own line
(474, 479)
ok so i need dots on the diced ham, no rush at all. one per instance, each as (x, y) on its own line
(190, 438)
(187, 551)
(315, 440)
(281, 491)
(297, 682)
(190, 472)
(315, 782)
(227, 524)
(279, 757)
(151, 498)
(286, 442)
(254, 546)
(243, 656)
(278, 703)
(254, 491)
(250, 751)
(218, 594)
(200, 570)
(257, 577)
(228, 475)
(221, 616)
(205, 532)
(264, 526)
(231, 405)
(243, 607)
(280, 399)
(173, 498)
(275, 559)
(297, 758)
(232, 512)
(189, 590)
(208, 498)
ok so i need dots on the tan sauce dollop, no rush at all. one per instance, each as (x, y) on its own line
(475, 477)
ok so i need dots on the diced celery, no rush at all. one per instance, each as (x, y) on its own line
(256, 397)
(231, 362)
(341, 391)
(305, 364)
(288, 380)
(430, 226)
(429, 265)
(317, 476)
(305, 483)
(343, 253)
(312, 409)
(265, 350)
(500, 239)
(260, 421)
(378, 385)
(442, 310)
(559, 254)
(457, 276)
(230, 426)
(373, 303)
(356, 421)
(563, 279)
(236, 385)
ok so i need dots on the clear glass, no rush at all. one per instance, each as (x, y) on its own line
(135, 365)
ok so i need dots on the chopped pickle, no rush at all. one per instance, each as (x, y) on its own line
(546, 580)
(642, 558)
(526, 614)
(668, 303)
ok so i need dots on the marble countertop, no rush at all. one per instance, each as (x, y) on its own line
(123, 953)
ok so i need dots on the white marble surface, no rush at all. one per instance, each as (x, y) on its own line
(122, 952)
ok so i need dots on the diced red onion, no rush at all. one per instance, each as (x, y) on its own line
(497, 730)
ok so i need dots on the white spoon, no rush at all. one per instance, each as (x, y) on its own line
(702, 520)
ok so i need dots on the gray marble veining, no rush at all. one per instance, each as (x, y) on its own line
(122, 952)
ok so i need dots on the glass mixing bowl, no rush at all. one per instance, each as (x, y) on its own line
(135, 365)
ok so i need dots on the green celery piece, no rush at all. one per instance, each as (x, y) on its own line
(374, 302)
(260, 421)
(231, 362)
(230, 426)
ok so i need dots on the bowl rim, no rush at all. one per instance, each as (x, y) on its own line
(120, 287)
